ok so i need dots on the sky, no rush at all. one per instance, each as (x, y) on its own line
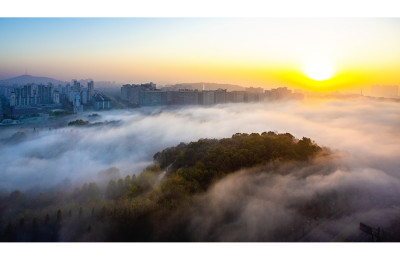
(323, 54)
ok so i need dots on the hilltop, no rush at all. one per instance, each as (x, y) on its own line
(25, 79)
(157, 204)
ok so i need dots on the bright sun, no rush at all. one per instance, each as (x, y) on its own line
(318, 70)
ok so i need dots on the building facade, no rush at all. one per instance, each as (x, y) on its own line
(32, 94)
(207, 97)
(220, 96)
(149, 95)
(101, 102)
(134, 93)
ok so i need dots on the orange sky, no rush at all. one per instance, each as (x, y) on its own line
(267, 52)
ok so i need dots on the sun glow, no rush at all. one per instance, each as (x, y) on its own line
(318, 70)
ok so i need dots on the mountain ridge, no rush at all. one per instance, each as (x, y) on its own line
(26, 79)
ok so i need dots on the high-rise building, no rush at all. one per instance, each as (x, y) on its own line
(188, 97)
(235, 96)
(1, 111)
(56, 97)
(220, 96)
(134, 93)
(70, 93)
(76, 99)
(101, 102)
(207, 97)
(45, 93)
(32, 94)
(90, 91)
(77, 104)
(154, 98)
(252, 97)
(125, 92)
(278, 93)
(85, 96)
(172, 97)
(76, 84)
(13, 99)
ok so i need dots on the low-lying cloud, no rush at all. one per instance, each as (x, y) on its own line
(359, 181)
(366, 133)
(321, 201)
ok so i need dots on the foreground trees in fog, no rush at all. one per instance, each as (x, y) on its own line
(137, 207)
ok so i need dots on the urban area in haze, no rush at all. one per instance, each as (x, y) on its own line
(199, 130)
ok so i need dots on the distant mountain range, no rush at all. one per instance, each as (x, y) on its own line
(25, 79)
(207, 86)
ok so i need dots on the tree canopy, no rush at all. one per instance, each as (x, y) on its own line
(126, 209)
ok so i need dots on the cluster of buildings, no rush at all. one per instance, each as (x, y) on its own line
(78, 95)
(33, 99)
(74, 97)
(148, 95)
(81, 97)
(33, 94)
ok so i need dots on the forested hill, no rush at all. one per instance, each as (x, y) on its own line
(148, 206)
(206, 160)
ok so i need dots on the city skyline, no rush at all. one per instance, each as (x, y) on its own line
(319, 54)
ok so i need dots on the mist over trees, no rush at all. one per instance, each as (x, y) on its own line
(132, 208)
(323, 198)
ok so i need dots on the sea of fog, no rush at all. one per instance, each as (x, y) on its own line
(365, 133)
(360, 180)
